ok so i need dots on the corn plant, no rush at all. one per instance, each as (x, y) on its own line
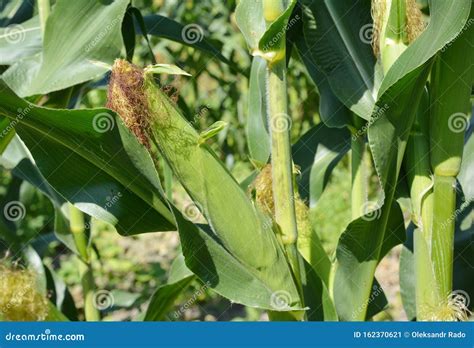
(394, 81)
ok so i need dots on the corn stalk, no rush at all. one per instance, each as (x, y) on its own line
(81, 241)
(452, 80)
(279, 125)
(418, 168)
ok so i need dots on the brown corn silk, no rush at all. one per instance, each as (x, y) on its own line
(263, 195)
(126, 97)
(414, 22)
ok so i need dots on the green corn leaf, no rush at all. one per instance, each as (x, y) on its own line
(211, 261)
(135, 12)
(165, 69)
(452, 79)
(62, 230)
(338, 34)
(317, 153)
(466, 175)
(191, 35)
(272, 44)
(18, 159)
(60, 295)
(81, 38)
(93, 161)
(313, 292)
(377, 301)
(267, 41)
(27, 171)
(211, 131)
(7, 227)
(361, 245)
(19, 41)
(128, 34)
(162, 300)
(7, 132)
(249, 18)
(258, 138)
(357, 253)
(311, 248)
(332, 111)
(55, 314)
(35, 264)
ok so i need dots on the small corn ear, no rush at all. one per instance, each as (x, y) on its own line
(241, 228)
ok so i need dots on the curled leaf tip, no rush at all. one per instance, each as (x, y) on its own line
(165, 69)
(211, 131)
(415, 22)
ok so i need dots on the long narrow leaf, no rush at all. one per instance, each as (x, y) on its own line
(81, 38)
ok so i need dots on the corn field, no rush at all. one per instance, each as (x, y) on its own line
(165, 160)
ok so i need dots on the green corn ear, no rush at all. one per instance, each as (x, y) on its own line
(157, 122)
(207, 181)
(397, 23)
